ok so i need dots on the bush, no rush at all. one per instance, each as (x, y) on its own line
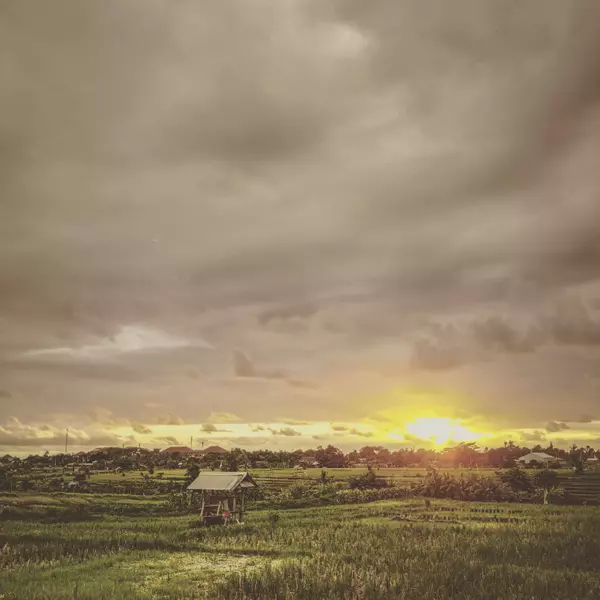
(367, 481)
(472, 487)
(273, 518)
(299, 490)
(517, 480)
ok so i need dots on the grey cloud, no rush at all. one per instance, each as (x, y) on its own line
(554, 426)
(173, 441)
(535, 436)
(223, 417)
(16, 434)
(339, 427)
(497, 335)
(140, 428)
(355, 431)
(295, 422)
(286, 312)
(428, 354)
(573, 323)
(286, 431)
(585, 419)
(169, 419)
(211, 428)
(106, 418)
(243, 366)
(301, 383)
(394, 157)
(212, 105)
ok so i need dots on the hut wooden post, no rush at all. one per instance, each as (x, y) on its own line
(222, 493)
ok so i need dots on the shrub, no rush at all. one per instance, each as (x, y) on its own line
(273, 518)
(367, 481)
(472, 487)
(517, 480)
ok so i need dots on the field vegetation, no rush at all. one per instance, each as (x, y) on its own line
(411, 548)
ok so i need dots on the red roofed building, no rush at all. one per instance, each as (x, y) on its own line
(215, 450)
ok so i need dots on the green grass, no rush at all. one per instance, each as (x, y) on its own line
(168, 474)
(392, 549)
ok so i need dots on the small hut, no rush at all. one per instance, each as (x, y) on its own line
(222, 496)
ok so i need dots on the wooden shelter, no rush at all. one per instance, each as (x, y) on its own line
(222, 496)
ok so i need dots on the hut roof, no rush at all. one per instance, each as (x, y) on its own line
(538, 456)
(210, 480)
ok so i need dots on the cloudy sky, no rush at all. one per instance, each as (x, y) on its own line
(285, 223)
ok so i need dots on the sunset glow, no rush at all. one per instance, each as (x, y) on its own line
(440, 430)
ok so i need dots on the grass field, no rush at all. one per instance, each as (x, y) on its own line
(390, 473)
(392, 549)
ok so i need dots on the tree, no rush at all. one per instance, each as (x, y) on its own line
(352, 457)
(548, 481)
(331, 457)
(192, 472)
(6, 482)
(231, 462)
(464, 454)
(517, 480)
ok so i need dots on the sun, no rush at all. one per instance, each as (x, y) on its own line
(440, 430)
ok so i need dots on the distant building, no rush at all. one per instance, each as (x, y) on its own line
(214, 450)
(540, 458)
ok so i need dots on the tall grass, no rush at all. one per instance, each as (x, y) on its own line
(391, 549)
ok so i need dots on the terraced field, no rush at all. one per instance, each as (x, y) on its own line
(579, 488)
(393, 549)
(582, 488)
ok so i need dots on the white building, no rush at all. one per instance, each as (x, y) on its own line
(540, 458)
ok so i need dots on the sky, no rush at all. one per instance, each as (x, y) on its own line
(288, 223)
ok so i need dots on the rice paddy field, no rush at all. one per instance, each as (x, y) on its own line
(409, 549)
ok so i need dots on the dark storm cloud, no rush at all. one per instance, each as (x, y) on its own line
(574, 324)
(442, 351)
(569, 323)
(496, 335)
(243, 366)
(343, 168)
